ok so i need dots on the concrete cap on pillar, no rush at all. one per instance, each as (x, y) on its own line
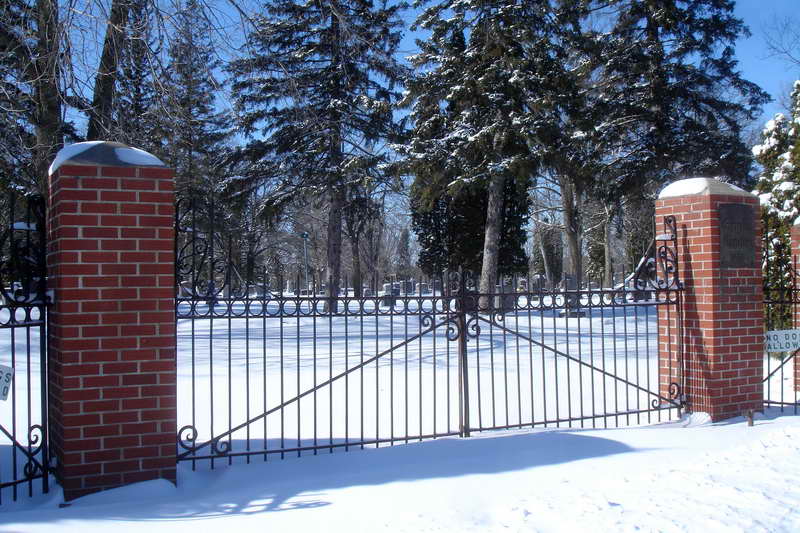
(104, 153)
(701, 186)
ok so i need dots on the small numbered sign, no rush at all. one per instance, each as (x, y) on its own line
(6, 376)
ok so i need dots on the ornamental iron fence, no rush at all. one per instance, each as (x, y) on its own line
(24, 459)
(781, 312)
(265, 371)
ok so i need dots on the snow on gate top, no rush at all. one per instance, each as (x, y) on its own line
(703, 186)
(105, 153)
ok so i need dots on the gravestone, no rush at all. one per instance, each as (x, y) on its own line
(570, 288)
(437, 286)
(505, 297)
(407, 286)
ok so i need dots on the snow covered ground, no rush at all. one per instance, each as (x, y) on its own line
(681, 476)
(688, 475)
(561, 368)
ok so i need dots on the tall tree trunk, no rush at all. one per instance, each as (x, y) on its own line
(336, 193)
(357, 282)
(47, 119)
(491, 239)
(543, 249)
(334, 249)
(570, 202)
(106, 78)
(608, 266)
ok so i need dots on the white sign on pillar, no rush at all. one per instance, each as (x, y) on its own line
(783, 340)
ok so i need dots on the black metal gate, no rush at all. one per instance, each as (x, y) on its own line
(23, 362)
(781, 312)
(270, 370)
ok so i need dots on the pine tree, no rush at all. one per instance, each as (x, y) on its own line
(778, 188)
(658, 96)
(317, 86)
(484, 77)
(451, 232)
(197, 130)
(673, 101)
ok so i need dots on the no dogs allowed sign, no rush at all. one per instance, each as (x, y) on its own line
(6, 375)
(784, 340)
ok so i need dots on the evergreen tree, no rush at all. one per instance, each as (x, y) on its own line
(485, 74)
(673, 101)
(318, 85)
(638, 216)
(451, 231)
(197, 131)
(778, 188)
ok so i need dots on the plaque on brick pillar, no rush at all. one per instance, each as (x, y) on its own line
(737, 236)
(720, 349)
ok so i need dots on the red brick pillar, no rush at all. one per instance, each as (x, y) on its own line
(720, 324)
(111, 335)
(795, 234)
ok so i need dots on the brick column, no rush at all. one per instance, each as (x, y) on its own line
(720, 324)
(795, 234)
(111, 335)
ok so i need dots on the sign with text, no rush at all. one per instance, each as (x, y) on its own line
(784, 340)
(737, 236)
(6, 377)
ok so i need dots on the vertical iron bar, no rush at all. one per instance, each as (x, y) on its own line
(555, 362)
(229, 310)
(529, 311)
(603, 357)
(591, 349)
(314, 361)
(627, 365)
(461, 316)
(346, 366)
(614, 341)
(333, 309)
(264, 351)
(580, 355)
(544, 364)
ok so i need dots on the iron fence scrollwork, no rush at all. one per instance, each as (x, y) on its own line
(23, 312)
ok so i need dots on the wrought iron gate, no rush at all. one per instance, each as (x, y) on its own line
(23, 375)
(269, 370)
(781, 312)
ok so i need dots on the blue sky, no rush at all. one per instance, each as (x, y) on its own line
(772, 74)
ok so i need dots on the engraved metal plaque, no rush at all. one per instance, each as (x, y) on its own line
(737, 236)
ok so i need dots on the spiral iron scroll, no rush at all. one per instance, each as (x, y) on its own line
(23, 267)
(673, 397)
(207, 264)
(33, 467)
(660, 272)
